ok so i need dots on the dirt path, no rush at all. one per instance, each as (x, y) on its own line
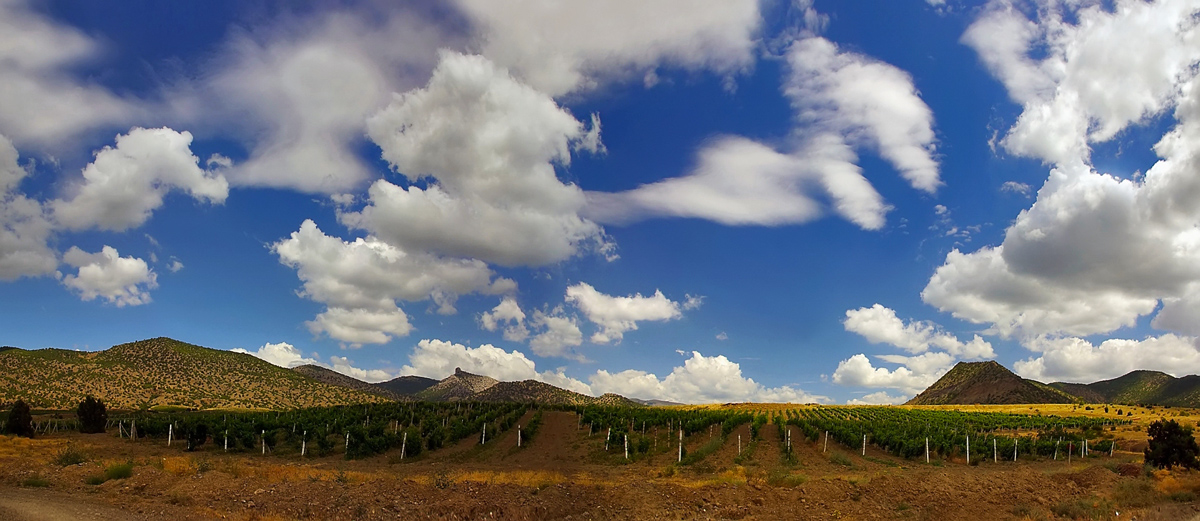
(557, 445)
(23, 504)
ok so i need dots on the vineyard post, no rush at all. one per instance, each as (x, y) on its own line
(607, 436)
(826, 443)
(681, 444)
(404, 445)
(347, 441)
(968, 449)
(483, 439)
(1070, 452)
(170, 433)
(264, 441)
(304, 444)
(1111, 448)
(864, 445)
(226, 440)
(133, 430)
(1056, 449)
(995, 452)
(518, 435)
(927, 449)
(1015, 443)
(626, 446)
(739, 444)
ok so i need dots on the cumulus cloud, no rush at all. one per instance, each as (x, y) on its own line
(858, 371)
(1013, 187)
(297, 93)
(506, 314)
(44, 104)
(564, 47)
(701, 379)
(1095, 251)
(839, 104)
(878, 398)
(286, 355)
(123, 281)
(616, 315)
(487, 145)
(559, 333)
(879, 324)
(361, 281)
(24, 226)
(1074, 359)
(126, 183)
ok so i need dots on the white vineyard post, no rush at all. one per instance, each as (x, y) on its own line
(264, 442)
(739, 444)
(304, 444)
(1111, 448)
(404, 445)
(1056, 449)
(170, 433)
(864, 445)
(626, 446)
(347, 442)
(681, 444)
(1015, 443)
(826, 442)
(518, 435)
(927, 449)
(995, 452)
(226, 440)
(968, 449)
(607, 436)
(1070, 452)
(483, 440)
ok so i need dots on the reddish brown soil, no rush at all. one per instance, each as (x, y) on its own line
(563, 474)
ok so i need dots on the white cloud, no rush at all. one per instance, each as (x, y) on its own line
(297, 93)
(880, 324)
(722, 336)
(878, 398)
(282, 354)
(286, 355)
(1077, 360)
(123, 281)
(506, 314)
(24, 226)
(701, 379)
(616, 315)
(174, 266)
(559, 47)
(487, 145)
(842, 101)
(43, 105)
(361, 281)
(858, 371)
(1013, 187)
(125, 184)
(438, 359)
(559, 332)
(1084, 72)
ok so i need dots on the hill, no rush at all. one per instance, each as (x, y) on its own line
(531, 391)
(332, 377)
(459, 386)
(987, 383)
(1140, 387)
(162, 371)
(407, 385)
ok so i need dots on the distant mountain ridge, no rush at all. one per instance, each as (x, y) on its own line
(407, 385)
(329, 376)
(991, 383)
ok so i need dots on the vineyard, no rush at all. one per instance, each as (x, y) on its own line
(629, 434)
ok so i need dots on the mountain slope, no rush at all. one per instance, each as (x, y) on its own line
(332, 377)
(987, 383)
(459, 386)
(1140, 387)
(161, 371)
(407, 385)
(531, 391)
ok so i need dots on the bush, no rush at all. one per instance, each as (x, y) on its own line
(93, 416)
(119, 471)
(20, 421)
(1171, 444)
(69, 456)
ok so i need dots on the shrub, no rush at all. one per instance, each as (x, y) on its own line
(119, 471)
(20, 421)
(35, 481)
(93, 416)
(1171, 444)
(69, 456)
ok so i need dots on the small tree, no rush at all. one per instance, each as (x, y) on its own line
(196, 436)
(20, 421)
(93, 416)
(1171, 444)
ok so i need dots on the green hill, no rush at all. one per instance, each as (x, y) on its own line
(987, 383)
(407, 385)
(161, 371)
(1140, 387)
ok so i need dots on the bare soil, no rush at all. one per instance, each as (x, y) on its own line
(562, 473)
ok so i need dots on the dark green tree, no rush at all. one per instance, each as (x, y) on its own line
(196, 435)
(1171, 444)
(93, 416)
(20, 421)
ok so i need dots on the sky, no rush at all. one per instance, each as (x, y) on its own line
(688, 200)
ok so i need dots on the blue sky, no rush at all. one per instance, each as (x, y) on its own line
(726, 200)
